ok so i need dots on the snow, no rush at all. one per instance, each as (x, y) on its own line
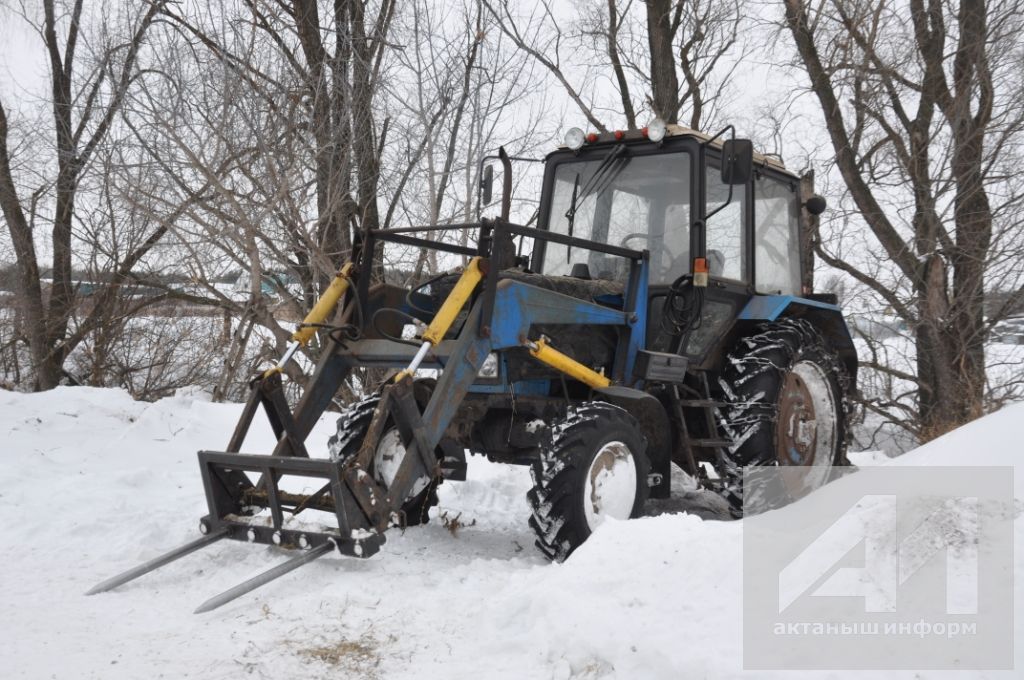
(94, 483)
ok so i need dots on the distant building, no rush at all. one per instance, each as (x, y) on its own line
(271, 284)
(994, 302)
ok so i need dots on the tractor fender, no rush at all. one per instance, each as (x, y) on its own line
(825, 316)
(654, 424)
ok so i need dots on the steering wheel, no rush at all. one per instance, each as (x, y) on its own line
(646, 237)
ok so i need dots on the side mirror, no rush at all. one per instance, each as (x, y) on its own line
(815, 205)
(487, 185)
(737, 161)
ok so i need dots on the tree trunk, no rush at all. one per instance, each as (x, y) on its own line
(327, 96)
(29, 287)
(945, 259)
(664, 82)
(808, 225)
(366, 143)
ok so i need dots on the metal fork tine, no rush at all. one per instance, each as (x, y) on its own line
(267, 576)
(157, 562)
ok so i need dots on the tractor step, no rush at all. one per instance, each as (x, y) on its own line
(702, 403)
(711, 443)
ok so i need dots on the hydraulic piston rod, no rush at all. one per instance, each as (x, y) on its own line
(445, 316)
(542, 351)
(321, 310)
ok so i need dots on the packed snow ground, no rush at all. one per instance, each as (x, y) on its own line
(93, 483)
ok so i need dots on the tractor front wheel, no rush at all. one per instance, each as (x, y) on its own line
(593, 467)
(353, 424)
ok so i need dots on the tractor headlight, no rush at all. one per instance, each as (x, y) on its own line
(656, 130)
(490, 367)
(575, 138)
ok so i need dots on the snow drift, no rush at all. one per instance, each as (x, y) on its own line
(93, 483)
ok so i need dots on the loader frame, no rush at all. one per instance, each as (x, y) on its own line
(499, 318)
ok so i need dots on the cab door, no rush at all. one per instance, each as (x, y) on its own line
(723, 232)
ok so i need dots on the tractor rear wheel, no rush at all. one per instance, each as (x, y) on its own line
(353, 424)
(786, 392)
(593, 467)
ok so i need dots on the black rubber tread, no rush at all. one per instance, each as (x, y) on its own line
(556, 499)
(753, 377)
(353, 423)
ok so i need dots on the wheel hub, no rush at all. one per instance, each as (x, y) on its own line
(610, 485)
(388, 457)
(797, 422)
(807, 427)
(387, 460)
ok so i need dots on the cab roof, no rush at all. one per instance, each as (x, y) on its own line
(674, 130)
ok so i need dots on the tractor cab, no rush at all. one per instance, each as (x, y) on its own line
(663, 190)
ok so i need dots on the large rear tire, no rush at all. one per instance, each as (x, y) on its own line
(786, 391)
(353, 424)
(594, 467)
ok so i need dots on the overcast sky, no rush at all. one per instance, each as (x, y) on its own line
(23, 72)
(22, 60)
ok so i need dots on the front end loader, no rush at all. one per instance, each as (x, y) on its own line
(659, 319)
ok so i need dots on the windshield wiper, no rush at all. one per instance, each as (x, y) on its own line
(613, 164)
(570, 214)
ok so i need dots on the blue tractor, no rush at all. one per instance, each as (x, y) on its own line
(658, 320)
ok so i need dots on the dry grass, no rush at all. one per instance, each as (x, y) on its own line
(360, 657)
(453, 523)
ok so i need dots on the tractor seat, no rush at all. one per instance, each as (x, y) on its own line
(601, 291)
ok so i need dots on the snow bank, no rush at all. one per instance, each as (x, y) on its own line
(93, 483)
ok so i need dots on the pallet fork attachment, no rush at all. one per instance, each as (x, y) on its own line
(361, 506)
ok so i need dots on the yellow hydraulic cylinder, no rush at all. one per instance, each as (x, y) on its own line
(324, 306)
(454, 303)
(321, 310)
(445, 316)
(544, 352)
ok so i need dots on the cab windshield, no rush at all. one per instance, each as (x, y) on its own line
(637, 202)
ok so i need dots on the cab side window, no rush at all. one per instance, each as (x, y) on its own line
(776, 237)
(726, 238)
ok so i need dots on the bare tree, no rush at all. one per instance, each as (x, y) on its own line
(469, 84)
(671, 58)
(923, 107)
(86, 97)
(234, 149)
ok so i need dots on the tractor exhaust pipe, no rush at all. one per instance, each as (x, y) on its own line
(506, 178)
